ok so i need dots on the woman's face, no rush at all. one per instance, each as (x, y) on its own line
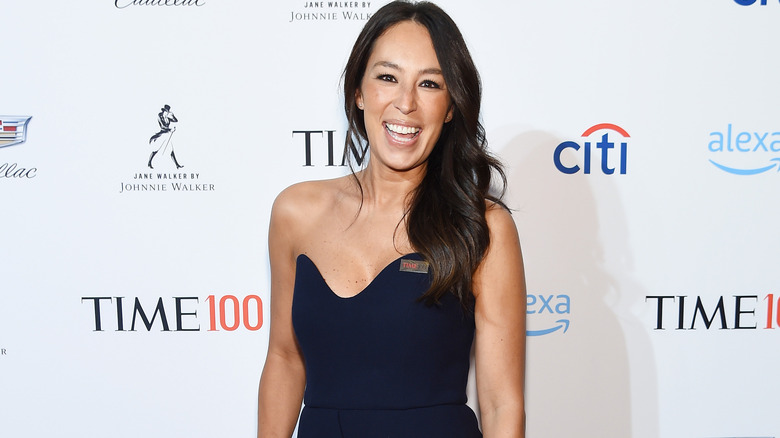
(404, 98)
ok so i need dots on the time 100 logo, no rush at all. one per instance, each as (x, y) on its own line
(176, 314)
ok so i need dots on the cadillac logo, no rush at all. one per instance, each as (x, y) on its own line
(13, 130)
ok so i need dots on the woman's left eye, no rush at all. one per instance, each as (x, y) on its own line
(429, 84)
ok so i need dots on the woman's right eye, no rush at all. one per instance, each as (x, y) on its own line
(386, 77)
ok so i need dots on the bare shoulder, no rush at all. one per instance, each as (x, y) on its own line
(500, 222)
(302, 207)
(302, 200)
(502, 267)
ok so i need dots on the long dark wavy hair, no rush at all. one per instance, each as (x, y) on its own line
(446, 212)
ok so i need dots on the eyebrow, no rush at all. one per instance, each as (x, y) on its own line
(394, 66)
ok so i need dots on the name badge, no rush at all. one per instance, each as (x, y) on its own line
(419, 266)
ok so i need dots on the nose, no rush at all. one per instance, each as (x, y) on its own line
(406, 101)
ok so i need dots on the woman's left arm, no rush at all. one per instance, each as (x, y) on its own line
(499, 289)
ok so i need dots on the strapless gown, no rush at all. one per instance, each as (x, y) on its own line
(382, 363)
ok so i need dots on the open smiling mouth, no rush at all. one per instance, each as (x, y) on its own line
(404, 134)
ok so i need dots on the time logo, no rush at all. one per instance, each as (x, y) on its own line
(177, 314)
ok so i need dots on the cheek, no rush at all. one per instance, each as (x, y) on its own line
(446, 105)
(374, 97)
(439, 108)
(379, 100)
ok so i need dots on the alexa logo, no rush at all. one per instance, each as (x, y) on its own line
(604, 149)
(746, 152)
(547, 314)
(13, 130)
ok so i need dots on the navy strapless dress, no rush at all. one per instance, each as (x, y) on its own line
(381, 363)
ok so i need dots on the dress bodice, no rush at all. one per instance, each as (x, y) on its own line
(382, 349)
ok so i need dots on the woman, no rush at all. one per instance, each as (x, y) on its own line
(382, 279)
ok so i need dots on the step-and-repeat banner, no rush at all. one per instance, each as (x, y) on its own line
(142, 143)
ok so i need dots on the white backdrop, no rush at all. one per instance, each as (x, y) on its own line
(692, 86)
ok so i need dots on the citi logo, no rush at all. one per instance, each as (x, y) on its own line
(750, 2)
(746, 152)
(606, 154)
(549, 311)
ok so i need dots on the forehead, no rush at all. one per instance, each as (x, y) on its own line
(405, 44)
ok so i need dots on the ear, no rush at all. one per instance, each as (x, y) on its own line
(359, 99)
(450, 112)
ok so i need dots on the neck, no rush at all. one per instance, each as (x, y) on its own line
(384, 188)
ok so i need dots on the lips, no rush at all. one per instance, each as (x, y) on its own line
(402, 133)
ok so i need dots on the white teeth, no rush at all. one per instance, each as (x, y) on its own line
(399, 129)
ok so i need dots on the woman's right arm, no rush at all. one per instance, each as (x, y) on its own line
(284, 376)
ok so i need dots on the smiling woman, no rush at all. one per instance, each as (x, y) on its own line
(381, 280)
(404, 99)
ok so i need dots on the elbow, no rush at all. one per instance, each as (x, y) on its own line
(503, 420)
